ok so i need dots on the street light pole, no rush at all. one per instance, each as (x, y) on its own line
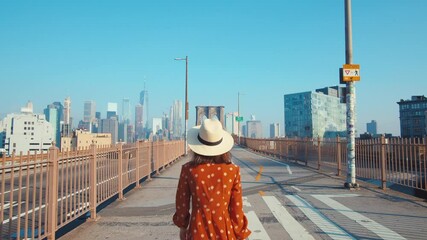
(351, 102)
(186, 101)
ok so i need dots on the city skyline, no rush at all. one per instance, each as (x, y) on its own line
(105, 52)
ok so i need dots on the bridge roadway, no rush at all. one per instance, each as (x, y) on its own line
(281, 200)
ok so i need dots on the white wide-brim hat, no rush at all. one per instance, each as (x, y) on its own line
(209, 139)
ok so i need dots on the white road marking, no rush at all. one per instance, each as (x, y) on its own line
(294, 228)
(326, 225)
(380, 230)
(255, 225)
(284, 164)
(299, 190)
(246, 202)
(16, 189)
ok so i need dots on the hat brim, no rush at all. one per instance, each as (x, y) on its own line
(196, 146)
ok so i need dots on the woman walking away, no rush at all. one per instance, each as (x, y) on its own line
(213, 184)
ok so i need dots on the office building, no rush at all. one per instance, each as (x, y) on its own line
(25, 132)
(53, 113)
(126, 111)
(176, 119)
(66, 128)
(110, 125)
(321, 113)
(413, 117)
(209, 112)
(157, 126)
(89, 111)
(253, 128)
(231, 125)
(112, 110)
(139, 122)
(123, 132)
(83, 140)
(274, 130)
(372, 127)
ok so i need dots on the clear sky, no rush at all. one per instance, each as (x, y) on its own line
(105, 50)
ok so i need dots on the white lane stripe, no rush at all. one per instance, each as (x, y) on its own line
(255, 225)
(246, 202)
(284, 164)
(326, 225)
(299, 190)
(380, 230)
(294, 228)
(15, 190)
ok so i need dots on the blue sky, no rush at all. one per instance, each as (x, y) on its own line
(104, 50)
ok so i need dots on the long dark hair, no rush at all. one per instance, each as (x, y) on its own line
(200, 159)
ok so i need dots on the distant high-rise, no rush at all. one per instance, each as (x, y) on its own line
(53, 113)
(126, 111)
(274, 130)
(254, 129)
(231, 124)
(112, 110)
(67, 123)
(139, 122)
(372, 127)
(110, 125)
(413, 117)
(89, 111)
(157, 125)
(315, 114)
(176, 119)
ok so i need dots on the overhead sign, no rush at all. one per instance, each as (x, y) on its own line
(239, 119)
(351, 72)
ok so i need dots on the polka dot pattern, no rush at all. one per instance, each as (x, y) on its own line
(215, 194)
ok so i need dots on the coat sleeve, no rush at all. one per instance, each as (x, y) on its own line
(182, 201)
(238, 218)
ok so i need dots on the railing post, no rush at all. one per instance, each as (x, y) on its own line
(53, 192)
(120, 170)
(137, 162)
(338, 156)
(383, 163)
(92, 183)
(319, 153)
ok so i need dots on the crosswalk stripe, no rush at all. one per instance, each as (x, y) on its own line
(294, 229)
(255, 225)
(326, 225)
(378, 229)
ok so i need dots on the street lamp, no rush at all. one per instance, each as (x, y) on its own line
(186, 99)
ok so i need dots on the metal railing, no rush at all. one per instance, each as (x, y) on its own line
(40, 193)
(399, 161)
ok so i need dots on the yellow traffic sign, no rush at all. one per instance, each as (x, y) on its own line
(351, 72)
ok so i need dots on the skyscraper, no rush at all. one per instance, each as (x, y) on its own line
(112, 110)
(315, 114)
(176, 119)
(89, 111)
(67, 124)
(110, 125)
(209, 112)
(139, 122)
(274, 130)
(126, 111)
(53, 114)
(372, 127)
(230, 123)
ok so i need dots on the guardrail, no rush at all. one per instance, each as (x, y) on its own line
(40, 193)
(399, 161)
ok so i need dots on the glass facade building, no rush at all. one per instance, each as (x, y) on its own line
(315, 114)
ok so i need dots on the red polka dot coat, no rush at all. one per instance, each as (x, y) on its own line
(215, 192)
